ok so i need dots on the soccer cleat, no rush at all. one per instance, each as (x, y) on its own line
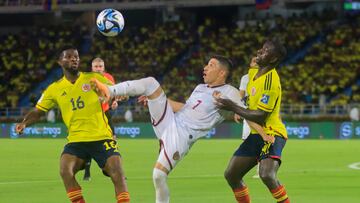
(101, 90)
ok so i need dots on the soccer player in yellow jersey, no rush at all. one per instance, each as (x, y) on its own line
(264, 101)
(89, 134)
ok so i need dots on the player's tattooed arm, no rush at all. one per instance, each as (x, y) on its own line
(33, 116)
(176, 106)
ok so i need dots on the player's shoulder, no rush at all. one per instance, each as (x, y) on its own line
(229, 88)
(252, 72)
(245, 77)
(272, 80)
(91, 74)
(244, 80)
(56, 84)
(59, 80)
(201, 86)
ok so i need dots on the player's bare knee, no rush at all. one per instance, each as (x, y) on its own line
(66, 173)
(113, 172)
(153, 88)
(267, 177)
(230, 176)
(150, 80)
(227, 175)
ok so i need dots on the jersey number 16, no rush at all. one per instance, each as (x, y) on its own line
(78, 104)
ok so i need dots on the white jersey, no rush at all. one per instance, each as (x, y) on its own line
(200, 114)
(244, 82)
(243, 86)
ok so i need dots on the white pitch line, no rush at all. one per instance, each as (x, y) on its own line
(130, 178)
(355, 166)
(29, 181)
(179, 177)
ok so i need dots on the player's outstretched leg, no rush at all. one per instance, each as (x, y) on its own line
(268, 171)
(236, 170)
(145, 86)
(161, 186)
(87, 176)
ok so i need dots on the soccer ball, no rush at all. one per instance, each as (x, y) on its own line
(110, 22)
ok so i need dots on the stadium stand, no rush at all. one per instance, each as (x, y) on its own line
(175, 53)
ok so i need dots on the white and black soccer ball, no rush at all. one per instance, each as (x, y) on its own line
(110, 22)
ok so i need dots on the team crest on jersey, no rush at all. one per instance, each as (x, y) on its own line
(265, 99)
(253, 91)
(86, 87)
(176, 156)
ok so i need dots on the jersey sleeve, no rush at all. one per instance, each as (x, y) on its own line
(46, 101)
(244, 82)
(268, 99)
(234, 95)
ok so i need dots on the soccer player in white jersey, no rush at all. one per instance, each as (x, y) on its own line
(178, 125)
(243, 95)
(242, 90)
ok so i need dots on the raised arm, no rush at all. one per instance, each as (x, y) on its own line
(32, 117)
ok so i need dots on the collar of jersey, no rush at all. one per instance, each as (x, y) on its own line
(216, 86)
(253, 79)
(80, 75)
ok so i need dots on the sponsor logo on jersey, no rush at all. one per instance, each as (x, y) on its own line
(86, 87)
(265, 99)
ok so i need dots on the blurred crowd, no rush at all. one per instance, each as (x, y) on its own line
(176, 52)
(27, 58)
(142, 51)
(327, 70)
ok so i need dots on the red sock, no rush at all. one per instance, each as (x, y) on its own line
(123, 197)
(280, 195)
(242, 194)
(75, 195)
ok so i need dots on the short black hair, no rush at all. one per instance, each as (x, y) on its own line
(225, 61)
(64, 48)
(279, 48)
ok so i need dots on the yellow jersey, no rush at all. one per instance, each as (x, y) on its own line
(80, 108)
(265, 94)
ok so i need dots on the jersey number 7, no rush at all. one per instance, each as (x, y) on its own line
(197, 104)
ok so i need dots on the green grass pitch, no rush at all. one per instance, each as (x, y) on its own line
(312, 171)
